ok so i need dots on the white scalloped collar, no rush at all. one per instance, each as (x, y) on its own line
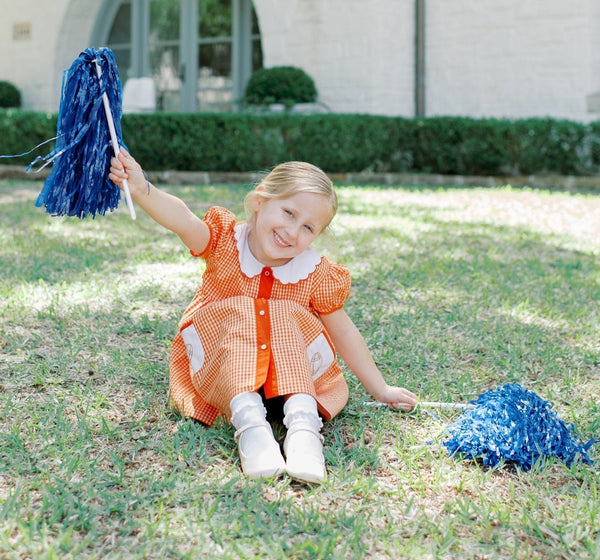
(297, 269)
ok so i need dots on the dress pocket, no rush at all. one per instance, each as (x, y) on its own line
(320, 355)
(193, 347)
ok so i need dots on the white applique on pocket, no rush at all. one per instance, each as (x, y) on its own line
(320, 356)
(193, 347)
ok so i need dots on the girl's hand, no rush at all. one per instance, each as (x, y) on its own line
(124, 167)
(164, 208)
(398, 398)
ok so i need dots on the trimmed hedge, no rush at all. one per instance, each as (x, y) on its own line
(10, 95)
(280, 84)
(338, 143)
(20, 131)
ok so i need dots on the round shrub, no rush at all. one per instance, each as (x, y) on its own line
(280, 84)
(10, 96)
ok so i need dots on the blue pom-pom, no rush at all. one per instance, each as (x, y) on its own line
(513, 425)
(78, 184)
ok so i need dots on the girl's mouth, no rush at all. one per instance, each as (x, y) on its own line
(279, 241)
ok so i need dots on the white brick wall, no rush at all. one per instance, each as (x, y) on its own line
(512, 58)
(59, 31)
(360, 53)
(29, 62)
(502, 58)
(594, 45)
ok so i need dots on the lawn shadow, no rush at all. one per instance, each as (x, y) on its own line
(37, 247)
(451, 308)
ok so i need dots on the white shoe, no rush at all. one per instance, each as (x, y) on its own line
(303, 445)
(260, 454)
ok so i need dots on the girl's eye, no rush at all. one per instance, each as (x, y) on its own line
(288, 212)
(309, 228)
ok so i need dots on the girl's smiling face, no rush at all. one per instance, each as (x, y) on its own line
(284, 228)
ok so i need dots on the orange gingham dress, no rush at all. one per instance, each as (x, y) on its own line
(251, 326)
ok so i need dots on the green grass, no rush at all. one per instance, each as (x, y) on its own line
(455, 290)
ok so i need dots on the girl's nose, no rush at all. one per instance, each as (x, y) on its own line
(292, 231)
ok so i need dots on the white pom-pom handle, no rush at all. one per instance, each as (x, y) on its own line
(446, 405)
(115, 142)
(430, 404)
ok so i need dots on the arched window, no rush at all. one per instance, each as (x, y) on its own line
(199, 53)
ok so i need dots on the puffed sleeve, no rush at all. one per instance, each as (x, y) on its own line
(218, 220)
(332, 290)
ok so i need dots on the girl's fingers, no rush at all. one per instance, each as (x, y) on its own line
(116, 166)
(404, 407)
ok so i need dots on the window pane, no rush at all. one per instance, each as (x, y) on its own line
(163, 44)
(120, 30)
(123, 60)
(119, 40)
(215, 88)
(215, 92)
(164, 20)
(216, 98)
(215, 58)
(214, 18)
(257, 56)
(164, 65)
(255, 27)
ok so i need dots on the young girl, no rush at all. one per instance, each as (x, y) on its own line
(267, 319)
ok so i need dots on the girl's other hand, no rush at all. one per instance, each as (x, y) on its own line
(399, 398)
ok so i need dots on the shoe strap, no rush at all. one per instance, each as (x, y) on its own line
(238, 433)
(304, 428)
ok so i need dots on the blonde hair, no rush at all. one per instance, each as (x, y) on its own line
(290, 178)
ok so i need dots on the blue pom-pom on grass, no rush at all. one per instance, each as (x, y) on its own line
(513, 425)
(78, 184)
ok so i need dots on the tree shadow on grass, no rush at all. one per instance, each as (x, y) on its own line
(63, 251)
(451, 308)
(448, 308)
(37, 247)
(498, 301)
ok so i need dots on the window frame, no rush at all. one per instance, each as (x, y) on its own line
(189, 42)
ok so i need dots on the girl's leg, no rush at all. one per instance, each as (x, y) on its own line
(260, 454)
(303, 443)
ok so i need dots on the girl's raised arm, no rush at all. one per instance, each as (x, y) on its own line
(167, 210)
(351, 346)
